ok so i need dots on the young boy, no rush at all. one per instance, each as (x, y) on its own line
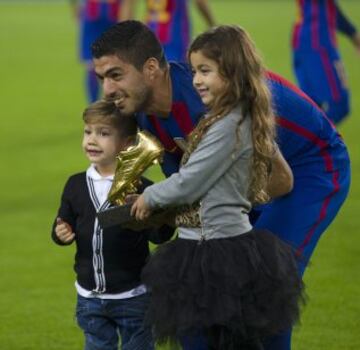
(108, 263)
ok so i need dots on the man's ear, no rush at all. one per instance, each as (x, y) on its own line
(151, 67)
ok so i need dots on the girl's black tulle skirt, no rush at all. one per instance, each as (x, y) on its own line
(234, 291)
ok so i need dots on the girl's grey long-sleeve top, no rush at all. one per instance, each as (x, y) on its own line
(218, 175)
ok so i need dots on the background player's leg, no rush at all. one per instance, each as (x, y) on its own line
(338, 108)
(311, 77)
(91, 83)
(321, 75)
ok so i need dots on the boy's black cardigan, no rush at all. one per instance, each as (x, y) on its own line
(109, 260)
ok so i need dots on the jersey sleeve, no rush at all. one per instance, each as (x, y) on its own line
(210, 160)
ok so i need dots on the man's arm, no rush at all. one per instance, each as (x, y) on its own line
(161, 234)
(204, 9)
(127, 10)
(344, 26)
(281, 179)
(75, 8)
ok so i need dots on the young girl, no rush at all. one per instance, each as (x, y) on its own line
(221, 278)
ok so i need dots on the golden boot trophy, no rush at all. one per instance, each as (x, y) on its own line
(131, 165)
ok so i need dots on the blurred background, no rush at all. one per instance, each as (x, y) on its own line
(42, 98)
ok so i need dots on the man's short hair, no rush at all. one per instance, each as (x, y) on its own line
(132, 41)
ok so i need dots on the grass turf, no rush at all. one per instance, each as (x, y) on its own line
(42, 100)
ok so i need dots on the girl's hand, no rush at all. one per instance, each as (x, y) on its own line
(140, 209)
(131, 198)
(63, 231)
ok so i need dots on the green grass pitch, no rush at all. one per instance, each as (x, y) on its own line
(42, 99)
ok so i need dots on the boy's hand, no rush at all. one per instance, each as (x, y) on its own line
(63, 231)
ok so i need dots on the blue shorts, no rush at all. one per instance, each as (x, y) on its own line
(321, 75)
(300, 217)
(89, 32)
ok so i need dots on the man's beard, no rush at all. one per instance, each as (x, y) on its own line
(140, 101)
(143, 99)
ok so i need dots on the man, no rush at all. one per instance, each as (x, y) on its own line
(170, 21)
(93, 17)
(316, 57)
(130, 63)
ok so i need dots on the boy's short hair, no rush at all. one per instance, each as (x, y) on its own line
(106, 112)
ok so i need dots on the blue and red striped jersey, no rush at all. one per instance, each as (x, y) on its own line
(317, 23)
(169, 20)
(187, 108)
(306, 137)
(96, 10)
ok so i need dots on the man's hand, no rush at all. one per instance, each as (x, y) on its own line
(63, 231)
(281, 179)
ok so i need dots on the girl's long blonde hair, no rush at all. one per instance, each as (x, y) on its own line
(241, 67)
